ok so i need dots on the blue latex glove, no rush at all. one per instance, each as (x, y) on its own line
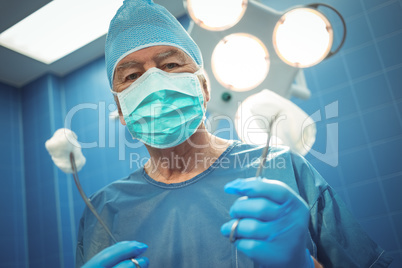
(274, 223)
(119, 256)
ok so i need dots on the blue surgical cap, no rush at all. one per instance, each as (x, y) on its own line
(140, 24)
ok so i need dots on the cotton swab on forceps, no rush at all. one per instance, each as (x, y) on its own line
(66, 154)
(263, 160)
(63, 147)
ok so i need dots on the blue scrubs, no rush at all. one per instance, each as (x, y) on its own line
(181, 222)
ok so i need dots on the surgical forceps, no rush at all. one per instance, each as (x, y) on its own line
(90, 206)
(263, 159)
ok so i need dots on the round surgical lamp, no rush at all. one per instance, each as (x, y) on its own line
(303, 36)
(216, 15)
(240, 62)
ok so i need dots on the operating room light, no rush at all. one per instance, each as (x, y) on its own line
(216, 15)
(303, 37)
(240, 62)
(59, 28)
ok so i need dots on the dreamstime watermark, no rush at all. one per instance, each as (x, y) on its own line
(112, 134)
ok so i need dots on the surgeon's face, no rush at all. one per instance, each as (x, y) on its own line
(166, 58)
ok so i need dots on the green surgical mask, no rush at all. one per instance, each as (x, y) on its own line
(163, 109)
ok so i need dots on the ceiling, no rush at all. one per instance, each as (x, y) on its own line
(17, 70)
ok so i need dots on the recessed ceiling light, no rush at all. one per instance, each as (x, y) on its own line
(59, 28)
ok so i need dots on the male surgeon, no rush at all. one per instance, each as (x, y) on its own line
(196, 202)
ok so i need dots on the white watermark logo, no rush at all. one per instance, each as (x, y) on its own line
(112, 134)
(184, 164)
(330, 156)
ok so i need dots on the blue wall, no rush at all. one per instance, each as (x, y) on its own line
(366, 80)
(13, 223)
(39, 178)
(42, 207)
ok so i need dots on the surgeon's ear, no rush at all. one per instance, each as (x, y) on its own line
(121, 117)
(122, 121)
(205, 87)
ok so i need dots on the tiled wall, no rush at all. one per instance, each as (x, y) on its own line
(40, 112)
(13, 224)
(365, 78)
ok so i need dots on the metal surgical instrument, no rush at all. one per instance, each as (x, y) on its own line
(263, 159)
(90, 206)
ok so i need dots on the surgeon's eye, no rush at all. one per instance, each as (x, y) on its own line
(171, 66)
(132, 76)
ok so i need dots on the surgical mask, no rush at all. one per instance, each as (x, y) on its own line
(163, 109)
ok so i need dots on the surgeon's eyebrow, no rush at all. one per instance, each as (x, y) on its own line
(126, 65)
(168, 54)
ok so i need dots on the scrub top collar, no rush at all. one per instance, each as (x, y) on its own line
(192, 180)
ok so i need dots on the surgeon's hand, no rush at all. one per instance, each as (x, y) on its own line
(119, 256)
(273, 223)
